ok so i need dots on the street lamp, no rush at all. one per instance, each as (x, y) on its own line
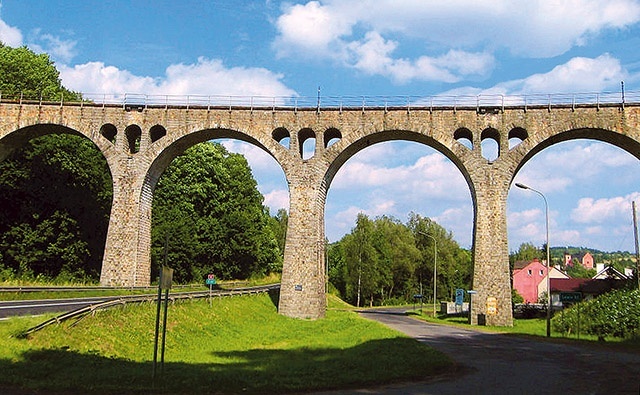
(546, 207)
(435, 268)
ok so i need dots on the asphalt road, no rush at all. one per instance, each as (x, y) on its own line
(34, 307)
(506, 364)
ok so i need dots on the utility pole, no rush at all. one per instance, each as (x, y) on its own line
(635, 238)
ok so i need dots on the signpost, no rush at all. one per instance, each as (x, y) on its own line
(211, 281)
(166, 277)
(571, 297)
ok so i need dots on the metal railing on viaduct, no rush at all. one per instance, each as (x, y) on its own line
(139, 135)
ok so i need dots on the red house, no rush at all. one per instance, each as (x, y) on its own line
(526, 278)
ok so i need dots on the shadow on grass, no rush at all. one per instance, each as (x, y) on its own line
(274, 295)
(60, 371)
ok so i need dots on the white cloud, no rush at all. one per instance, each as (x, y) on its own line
(590, 210)
(206, 77)
(259, 160)
(276, 200)
(9, 35)
(313, 27)
(373, 56)
(429, 176)
(58, 49)
(577, 75)
(457, 38)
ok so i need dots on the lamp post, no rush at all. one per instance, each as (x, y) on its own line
(435, 268)
(546, 208)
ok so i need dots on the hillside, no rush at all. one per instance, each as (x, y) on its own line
(237, 344)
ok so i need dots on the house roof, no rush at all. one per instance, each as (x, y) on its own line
(610, 272)
(585, 285)
(519, 265)
(567, 284)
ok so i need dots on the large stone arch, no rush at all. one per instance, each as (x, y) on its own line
(533, 147)
(345, 149)
(20, 137)
(158, 156)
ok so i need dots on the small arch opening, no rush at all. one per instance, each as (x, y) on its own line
(490, 144)
(109, 132)
(134, 135)
(517, 136)
(307, 141)
(282, 136)
(464, 137)
(157, 132)
(331, 136)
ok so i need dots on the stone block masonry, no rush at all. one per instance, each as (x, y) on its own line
(139, 145)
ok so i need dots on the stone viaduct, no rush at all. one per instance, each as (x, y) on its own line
(140, 142)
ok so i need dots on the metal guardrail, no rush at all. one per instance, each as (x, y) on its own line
(81, 313)
(137, 101)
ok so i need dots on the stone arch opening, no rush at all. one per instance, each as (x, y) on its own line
(307, 143)
(157, 132)
(134, 136)
(517, 136)
(589, 178)
(395, 173)
(490, 144)
(282, 136)
(260, 158)
(109, 132)
(464, 137)
(57, 211)
(331, 136)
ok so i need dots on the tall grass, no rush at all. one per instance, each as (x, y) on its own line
(236, 345)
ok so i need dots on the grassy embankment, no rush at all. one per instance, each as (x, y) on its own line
(238, 345)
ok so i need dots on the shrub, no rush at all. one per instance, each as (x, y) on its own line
(614, 314)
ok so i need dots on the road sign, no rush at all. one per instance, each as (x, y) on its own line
(166, 277)
(492, 306)
(459, 296)
(211, 279)
(570, 296)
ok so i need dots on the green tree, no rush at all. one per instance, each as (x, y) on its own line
(361, 259)
(208, 217)
(278, 225)
(56, 190)
(526, 252)
(23, 72)
(56, 198)
(398, 257)
(453, 265)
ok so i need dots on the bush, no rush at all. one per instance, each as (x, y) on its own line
(614, 314)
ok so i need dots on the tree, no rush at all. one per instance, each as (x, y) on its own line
(23, 72)
(398, 257)
(361, 259)
(56, 190)
(454, 266)
(278, 225)
(526, 252)
(207, 214)
(56, 198)
(384, 260)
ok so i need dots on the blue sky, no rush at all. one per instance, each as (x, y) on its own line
(375, 47)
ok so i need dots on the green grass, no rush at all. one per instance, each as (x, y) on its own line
(237, 345)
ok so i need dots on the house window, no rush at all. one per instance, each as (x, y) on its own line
(542, 272)
(529, 272)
